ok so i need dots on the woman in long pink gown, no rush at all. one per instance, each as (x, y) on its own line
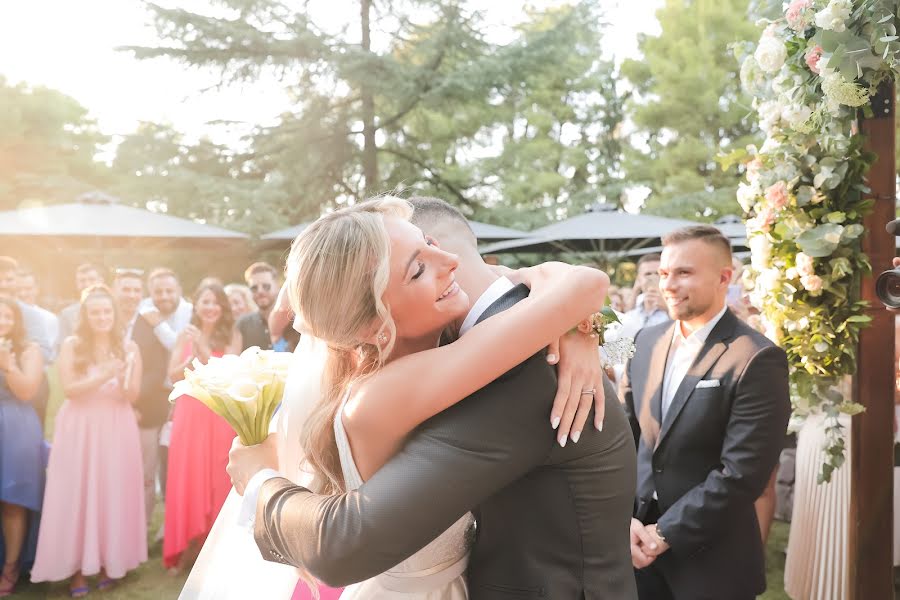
(93, 514)
(197, 484)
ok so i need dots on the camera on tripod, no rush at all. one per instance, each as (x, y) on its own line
(887, 286)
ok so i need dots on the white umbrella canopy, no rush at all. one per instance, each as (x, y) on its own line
(98, 219)
(602, 229)
(485, 232)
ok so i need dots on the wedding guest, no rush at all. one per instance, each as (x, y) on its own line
(262, 279)
(162, 317)
(28, 294)
(21, 441)
(649, 308)
(708, 400)
(86, 276)
(93, 514)
(35, 327)
(616, 300)
(198, 453)
(241, 299)
(128, 288)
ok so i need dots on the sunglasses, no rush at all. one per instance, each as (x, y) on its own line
(266, 287)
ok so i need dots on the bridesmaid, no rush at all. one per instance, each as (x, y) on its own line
(197, 483)
(93, 518)
(21, 440)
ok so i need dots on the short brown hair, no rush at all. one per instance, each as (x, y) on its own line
(652, 257)
(260, 267)
(161, 272)
(8, 263)
(88, 267)
(704, 233)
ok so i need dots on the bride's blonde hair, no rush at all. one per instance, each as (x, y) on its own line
(337, 273)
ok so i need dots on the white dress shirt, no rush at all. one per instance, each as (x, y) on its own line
(488, 297)
(637, 318)
(167, 331)
(251, 492)
(682, 353)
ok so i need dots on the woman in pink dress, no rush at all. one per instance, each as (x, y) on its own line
(93, 516)
(197, 484)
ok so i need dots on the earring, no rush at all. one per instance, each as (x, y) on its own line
(382, 338)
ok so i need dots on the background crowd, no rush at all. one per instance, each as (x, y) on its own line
(83, 508)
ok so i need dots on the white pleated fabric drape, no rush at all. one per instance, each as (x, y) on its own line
(816, 566)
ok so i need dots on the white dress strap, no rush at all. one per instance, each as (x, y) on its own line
(352, 478)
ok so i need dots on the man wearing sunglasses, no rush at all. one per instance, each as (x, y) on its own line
(262, 279)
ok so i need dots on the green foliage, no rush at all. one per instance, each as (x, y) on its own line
(519, 132)
(47, 147)
(689, 108)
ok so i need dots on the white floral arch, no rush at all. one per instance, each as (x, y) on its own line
(811, 73)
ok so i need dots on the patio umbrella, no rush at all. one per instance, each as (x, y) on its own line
(602, 229)
(485, 232)
(734, 228)
(99, 221)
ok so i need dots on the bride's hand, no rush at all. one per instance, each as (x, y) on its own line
(579, 371)
(246, 461)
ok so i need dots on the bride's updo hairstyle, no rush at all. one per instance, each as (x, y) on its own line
(337, 273)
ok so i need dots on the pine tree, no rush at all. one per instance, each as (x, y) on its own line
(689, 108)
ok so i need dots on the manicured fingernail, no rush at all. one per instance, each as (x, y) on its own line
(555, 422)
(575, 437)
(562, 441)
(551, 358)
(599, 425)
(653, 546)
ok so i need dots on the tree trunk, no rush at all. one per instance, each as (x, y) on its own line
(370, 157)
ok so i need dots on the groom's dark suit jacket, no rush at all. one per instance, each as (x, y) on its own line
(552, 522)
(716, 449)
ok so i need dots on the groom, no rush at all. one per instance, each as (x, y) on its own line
(552, 522)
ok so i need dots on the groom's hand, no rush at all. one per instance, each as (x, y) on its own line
(246, 461)
(643, 546)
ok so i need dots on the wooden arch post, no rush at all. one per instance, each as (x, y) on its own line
(872, 439)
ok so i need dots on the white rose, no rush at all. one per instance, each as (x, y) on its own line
(834, 16)
(796, 116)
(746, 195)
(770, 278)
(770, 54)
(760, 252)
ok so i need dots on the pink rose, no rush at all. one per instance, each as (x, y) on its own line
(812, 58)
(805, 266)
(812, 283)
(777, 195)
(765, 218)
(753, 168)
(794, 14)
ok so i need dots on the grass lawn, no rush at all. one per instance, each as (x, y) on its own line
(152, 582)
(778, 538)
(149, 582)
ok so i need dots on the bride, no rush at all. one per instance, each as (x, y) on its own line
(375, 294)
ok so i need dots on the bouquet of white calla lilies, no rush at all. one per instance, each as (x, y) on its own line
(244, 390)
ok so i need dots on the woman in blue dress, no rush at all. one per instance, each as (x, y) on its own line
(21, 443)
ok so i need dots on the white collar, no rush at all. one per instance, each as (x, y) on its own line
(500, 286)
(699, 336)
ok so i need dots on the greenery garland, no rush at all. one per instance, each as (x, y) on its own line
(810, 74)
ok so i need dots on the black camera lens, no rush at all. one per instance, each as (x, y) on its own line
(887, 287)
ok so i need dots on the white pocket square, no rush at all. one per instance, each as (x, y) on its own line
(708, 383)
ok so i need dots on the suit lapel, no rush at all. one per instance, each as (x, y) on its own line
(710, 352)
(657, 371)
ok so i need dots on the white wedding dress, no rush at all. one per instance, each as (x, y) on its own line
(230, 566)
(436, 572)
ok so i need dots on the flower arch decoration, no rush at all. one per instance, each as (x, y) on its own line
(812, 72)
